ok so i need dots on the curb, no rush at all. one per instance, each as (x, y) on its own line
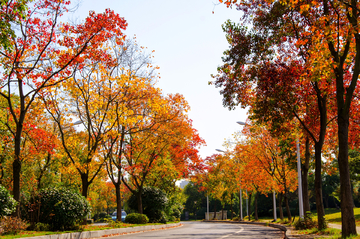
(106, 233)
(282, 228)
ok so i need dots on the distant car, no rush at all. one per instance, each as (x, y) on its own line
(123, 215)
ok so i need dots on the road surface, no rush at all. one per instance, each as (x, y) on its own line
(209, 230)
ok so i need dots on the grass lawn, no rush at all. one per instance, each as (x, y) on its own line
(333, 215)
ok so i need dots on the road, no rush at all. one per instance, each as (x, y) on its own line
(208, 230)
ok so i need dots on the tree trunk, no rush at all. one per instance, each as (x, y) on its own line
(17, 167)
(318, 188)
(118, 201)
(85, 184)
(256, 208)
(231, 206)
(16, 184)
(42, 170)
(305, 173)
(280, 206)
(287, 206)
(222, 211)
(348, 226)
(344, 97)
(240, 205)
(326, 201)
(139, 201)
(249, 206)
(334, 200)
(214, 210)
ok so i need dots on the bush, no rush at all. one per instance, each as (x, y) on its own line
(154, 202)
(61, 208)
(100, 217)
(7, 202)
(11, 225)
(114, 224)
(306, 223)
(41, 227)
(136, 218)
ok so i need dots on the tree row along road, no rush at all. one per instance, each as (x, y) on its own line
(211, 230)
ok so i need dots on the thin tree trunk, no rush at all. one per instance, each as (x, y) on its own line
(287, 206)
(326, 201)
(280, 206)
(249, 206)
(318, 188)
(256, 207)
(214, 210)
(222, 211)
(118, 201)
(16, 184)
(42, 170)
(231, 206)
(139, 201)
(17, 168)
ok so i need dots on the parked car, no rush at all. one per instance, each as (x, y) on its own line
(123, 215)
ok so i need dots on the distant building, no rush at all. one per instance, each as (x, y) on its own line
(183, 183)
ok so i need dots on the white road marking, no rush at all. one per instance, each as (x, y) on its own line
(242, 229)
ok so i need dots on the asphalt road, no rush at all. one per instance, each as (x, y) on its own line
(208, 230)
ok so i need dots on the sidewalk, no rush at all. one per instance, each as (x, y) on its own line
(106, 233)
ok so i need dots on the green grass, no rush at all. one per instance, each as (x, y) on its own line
(314, 231)
(28, 234)
(333, 215)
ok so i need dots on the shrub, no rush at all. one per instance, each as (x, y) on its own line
(100, 217)
(114, 224)
(61, 208)
(41, 227)
(11, 225)
(174, 208)
(154, 202)
(7, 202)
(136, 218)
(306, 223)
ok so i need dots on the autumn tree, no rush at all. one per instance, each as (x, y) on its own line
(273, 157)
(133, 75)
(45, 53)
(91, 97)
(182, 161)
(102, 197)
(331, 28)
(208, 179)
(169, 125)
(254, 176)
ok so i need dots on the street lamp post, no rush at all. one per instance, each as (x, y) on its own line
(274, 196)
(301, 207)
(72, 124)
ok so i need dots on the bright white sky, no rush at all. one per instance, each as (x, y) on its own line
(188, 41)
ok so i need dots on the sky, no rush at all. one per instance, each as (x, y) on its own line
(188, 42)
